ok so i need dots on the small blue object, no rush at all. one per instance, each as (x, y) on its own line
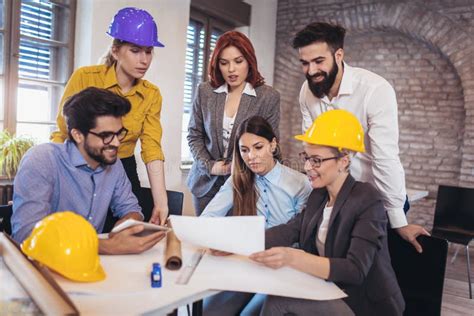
(156, 275)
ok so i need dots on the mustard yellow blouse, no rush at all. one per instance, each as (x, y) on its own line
(143, 120)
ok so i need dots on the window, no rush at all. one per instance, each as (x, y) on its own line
(37, 39)
(201, 38)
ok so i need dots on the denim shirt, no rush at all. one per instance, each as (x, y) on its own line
(282, 193)
(55, 177)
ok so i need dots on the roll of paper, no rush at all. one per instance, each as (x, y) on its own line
(173, 256)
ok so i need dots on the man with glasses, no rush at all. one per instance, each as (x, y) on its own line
(82, 175)
(333, 84)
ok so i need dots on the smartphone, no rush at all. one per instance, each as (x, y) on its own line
(149, 228)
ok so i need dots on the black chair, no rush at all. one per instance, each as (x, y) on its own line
(175, 206)
(420, 276)
(175, 202)
(454, 219)
(5, 219)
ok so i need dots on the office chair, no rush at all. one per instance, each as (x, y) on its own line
(5, 218)
(454, 219)
(420, 275)
(175, 206)
(175, 202)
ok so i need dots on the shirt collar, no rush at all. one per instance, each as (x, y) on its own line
(346, 82)
(77, 159)
(248, 89)
(110, 78)
(273, 176)
(111, 81)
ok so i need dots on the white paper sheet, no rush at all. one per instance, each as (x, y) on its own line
(238, 273)
(242, 235)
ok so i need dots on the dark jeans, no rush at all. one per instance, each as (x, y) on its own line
(277, 305)
(130, 166)
(406, 206)
(391, 233)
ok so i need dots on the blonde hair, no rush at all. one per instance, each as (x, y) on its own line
(108, 59)
(342, 153)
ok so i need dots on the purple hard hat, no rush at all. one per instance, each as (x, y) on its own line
(135, 26)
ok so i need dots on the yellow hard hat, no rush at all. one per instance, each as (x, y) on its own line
(68, 244)
(336, 128)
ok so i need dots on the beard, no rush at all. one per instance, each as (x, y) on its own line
(98, 154)
(320, 89)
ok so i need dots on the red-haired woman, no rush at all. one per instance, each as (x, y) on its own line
(235, 92)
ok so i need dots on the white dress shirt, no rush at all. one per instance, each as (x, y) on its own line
(372, 99)
(323, 230)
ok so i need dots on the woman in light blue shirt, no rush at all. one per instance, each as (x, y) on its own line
(259, 185)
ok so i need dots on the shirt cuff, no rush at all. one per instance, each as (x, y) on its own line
(149, 157)
(396, 217)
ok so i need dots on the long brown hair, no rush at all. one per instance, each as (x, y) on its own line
(244, 190)
(243, 44)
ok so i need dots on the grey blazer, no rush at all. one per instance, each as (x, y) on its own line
(205, 129)
(356, 245)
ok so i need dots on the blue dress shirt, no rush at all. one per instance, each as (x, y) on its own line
(55, 178)
(282, 192)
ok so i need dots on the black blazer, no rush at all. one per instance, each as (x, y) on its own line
(205, 129)
(356, 245)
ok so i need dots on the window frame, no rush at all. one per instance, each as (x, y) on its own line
(209, 22)
(11, 59)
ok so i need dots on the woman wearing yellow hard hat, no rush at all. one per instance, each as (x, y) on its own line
(342, 232)
(134, 34)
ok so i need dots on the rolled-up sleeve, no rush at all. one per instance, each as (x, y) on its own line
(152, 131)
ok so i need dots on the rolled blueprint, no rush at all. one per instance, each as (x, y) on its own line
(173, 256)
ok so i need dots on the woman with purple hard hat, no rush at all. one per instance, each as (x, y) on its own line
(135, 34)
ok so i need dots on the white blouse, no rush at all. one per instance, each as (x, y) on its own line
(323, 230)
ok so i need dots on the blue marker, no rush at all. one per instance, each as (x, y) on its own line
(156, 275)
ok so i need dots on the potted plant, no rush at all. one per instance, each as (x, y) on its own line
(12, 149)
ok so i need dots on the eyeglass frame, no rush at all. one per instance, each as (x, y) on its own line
(108, 134)
(315, 162)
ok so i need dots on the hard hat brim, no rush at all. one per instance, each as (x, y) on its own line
(95, 276)
(308, 140)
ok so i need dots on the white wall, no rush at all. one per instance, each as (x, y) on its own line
(262, 33)
(167, 70)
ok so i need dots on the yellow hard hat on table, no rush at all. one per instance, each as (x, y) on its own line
(336, 128)
(68, 244)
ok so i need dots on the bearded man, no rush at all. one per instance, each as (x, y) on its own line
(333, 84)
(82, 175)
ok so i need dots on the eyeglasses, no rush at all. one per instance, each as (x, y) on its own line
(108, 137)
(315, 162)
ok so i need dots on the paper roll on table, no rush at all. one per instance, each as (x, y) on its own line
(173, 256)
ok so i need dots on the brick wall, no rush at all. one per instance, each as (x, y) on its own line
(426, 50)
